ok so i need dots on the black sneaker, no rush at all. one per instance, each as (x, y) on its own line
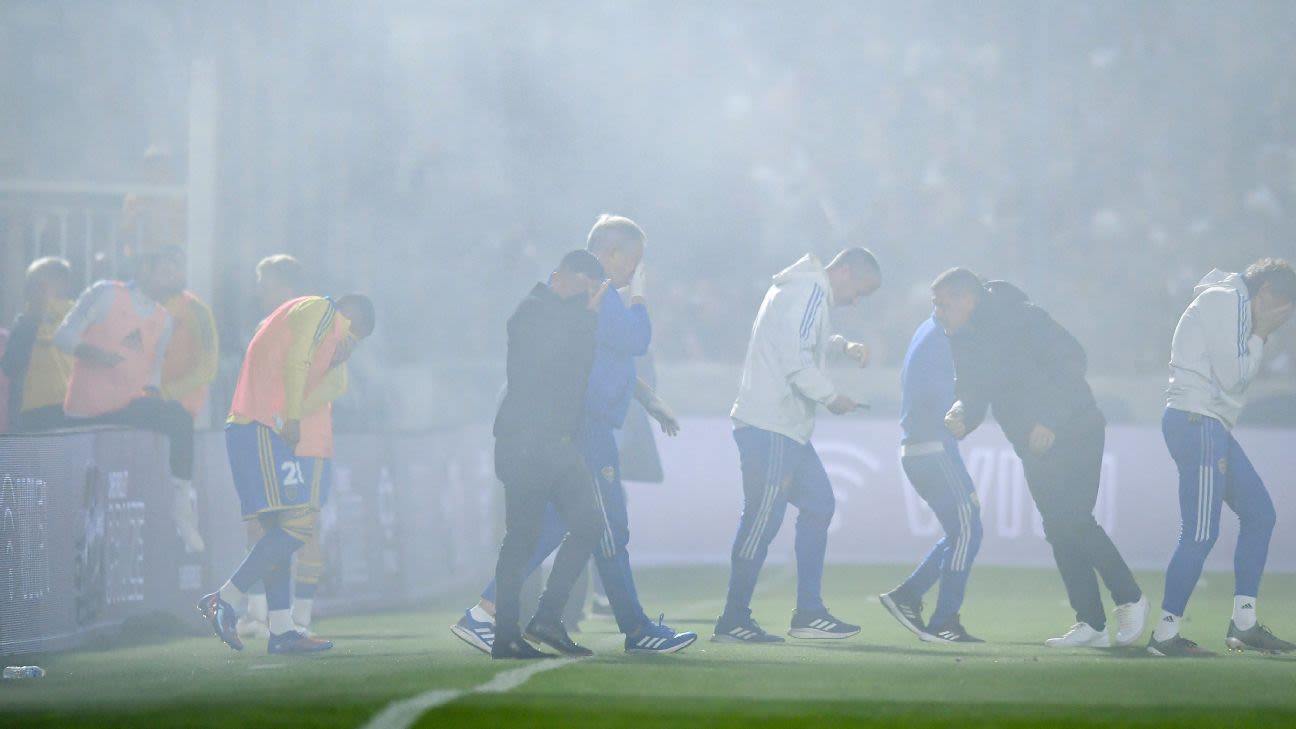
(1258, 638)
(555, 636)
(516, 648)
(951, 632)
(1176, 647)
(742, 630)
(820, 625)
(907, 612)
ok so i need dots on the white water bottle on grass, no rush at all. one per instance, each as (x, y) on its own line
(13, 673)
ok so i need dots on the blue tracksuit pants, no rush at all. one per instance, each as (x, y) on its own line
(1213, 470)
(942, 481)
(776, 471)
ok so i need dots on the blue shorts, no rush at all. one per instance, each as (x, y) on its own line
(268, 475)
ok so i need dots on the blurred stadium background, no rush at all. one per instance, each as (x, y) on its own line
(440, 156)
(1101, 154)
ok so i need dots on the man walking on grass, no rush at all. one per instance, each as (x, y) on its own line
(1215, 355)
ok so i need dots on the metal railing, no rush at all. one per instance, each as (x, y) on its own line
(81, 222)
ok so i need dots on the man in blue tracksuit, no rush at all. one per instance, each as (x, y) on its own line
(930, 457)
(624, 332)
(1216, 353)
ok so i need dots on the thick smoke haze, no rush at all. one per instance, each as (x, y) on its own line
(1103, 155)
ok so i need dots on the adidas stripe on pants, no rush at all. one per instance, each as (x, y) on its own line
(1214, 470)
(943, 482)
(776, 471)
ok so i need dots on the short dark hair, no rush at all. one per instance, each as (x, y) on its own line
(584, 263)
(1275, 272)
(360, 310)
(50, 268)
(857, 259)
(960, 280)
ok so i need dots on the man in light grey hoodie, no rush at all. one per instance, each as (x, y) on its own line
(782, 383)
(1215, 355)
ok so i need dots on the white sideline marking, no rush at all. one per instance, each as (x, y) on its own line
(266, 666)
(403, 714)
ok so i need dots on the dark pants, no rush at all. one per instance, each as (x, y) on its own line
(35, 420)
(167, 417)
(599, 448)
(535, 475)
(1064, 484)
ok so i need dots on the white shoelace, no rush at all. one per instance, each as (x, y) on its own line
(1125, 616)
(1077, 628)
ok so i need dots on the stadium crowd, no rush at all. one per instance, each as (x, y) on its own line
(1060, 146)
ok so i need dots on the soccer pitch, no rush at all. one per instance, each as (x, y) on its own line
(882, 677)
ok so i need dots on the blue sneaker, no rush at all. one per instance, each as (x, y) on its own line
(294, 642)
(659, 638)
(222, 618)
(477, 633)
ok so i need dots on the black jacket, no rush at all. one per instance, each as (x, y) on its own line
(17, 357)
(1014, 357)
(550, 352)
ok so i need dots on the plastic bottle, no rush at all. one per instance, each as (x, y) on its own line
(13, 673)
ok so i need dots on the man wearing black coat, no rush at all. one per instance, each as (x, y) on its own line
(551, 339)
(1011, 355)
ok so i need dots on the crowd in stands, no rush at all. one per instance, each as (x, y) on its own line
(1103, 156)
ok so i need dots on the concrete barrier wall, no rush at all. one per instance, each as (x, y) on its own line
(86, 540)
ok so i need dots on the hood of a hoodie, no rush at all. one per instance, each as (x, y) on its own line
(806, 270)
(1001, 307)
(1218, 279)
(1004, 292)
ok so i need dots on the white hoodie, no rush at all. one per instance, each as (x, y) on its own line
(1214, 355)
(783, 376)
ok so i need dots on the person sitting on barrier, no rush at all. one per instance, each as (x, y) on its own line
(279, 278)
(118, 334)
(37, 370)
(293, 354)
(192, 358)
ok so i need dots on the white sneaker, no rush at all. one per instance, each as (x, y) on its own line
(186, 520)
(1081, 636)
(253, 628)
(1130, 619)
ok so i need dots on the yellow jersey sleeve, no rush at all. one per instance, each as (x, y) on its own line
(309, 322)
(204, 370)
(332, 387)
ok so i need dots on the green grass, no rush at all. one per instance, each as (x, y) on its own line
(883, 677)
